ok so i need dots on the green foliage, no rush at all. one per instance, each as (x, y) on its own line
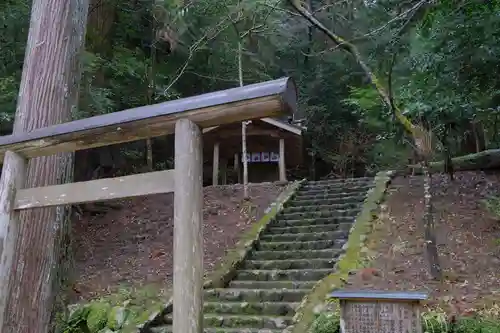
(492, 205)
(98, 316)
(119, 312)
(443, 70)
(386, 154)
(326, 323)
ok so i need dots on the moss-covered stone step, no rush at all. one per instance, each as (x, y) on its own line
(333, 207)
(340, 181)
(282, 275)
(305, 237)
(289, 264)
(332, 190)
(295, 254)
(242, 321)
(254, 295)
(300, 222)
(309, 228)
(247, 308)
(272, 284)
(293, 246)
(331, 201)
(168, 329)
(335, 187)
(328, 196)
(319, 214)
(308, 186)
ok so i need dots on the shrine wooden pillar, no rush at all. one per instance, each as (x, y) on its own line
(237, 167)
(215, 170)
(282, 167)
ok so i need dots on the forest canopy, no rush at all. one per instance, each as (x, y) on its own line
(438, 58)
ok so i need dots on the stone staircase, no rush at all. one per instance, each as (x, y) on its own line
(296, 250)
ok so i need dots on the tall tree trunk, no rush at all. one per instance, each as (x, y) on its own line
(48, 94)
(243, 125)
(151, 82)
(430, 234)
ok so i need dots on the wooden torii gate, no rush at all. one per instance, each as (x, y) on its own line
(184, 117)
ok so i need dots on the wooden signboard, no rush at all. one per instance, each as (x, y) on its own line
(379, 311)
(262, 157)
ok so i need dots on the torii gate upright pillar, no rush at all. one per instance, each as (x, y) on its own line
(188, 225)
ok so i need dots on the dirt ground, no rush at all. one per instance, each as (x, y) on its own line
(132, 246)
(468, 241)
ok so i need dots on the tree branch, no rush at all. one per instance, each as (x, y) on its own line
(346, 46)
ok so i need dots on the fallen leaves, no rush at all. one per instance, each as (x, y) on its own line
(133, 245)
(466, 238)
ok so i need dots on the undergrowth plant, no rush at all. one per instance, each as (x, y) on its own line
(492, 205)
(120, 312)
(487, 321)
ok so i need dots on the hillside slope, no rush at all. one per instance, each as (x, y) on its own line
(467, 238)
(132, 246)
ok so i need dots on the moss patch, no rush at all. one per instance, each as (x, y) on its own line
(119, 312)
(351, 259)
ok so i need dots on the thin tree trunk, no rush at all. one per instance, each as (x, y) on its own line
(419, 134)
(151, 83)
(243, 126)
(48, 94)
(495, 130)
(430, 238)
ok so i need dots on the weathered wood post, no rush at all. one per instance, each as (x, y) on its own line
(237, 168)
(379, 311)
(282, 165)
(215, 165)
(13, 178)
(188, 229)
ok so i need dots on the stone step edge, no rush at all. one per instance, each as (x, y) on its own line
(339, 184)
(314, 213)
(333, 201)
(340, 180)
(291, 260)
(169, 329)
(286, 271)
(319, 226)
(298, 251)
(275, 282)
(332, 233)
(250, 303)
(212, 315)
(352, 188)
(243, 290)
(295, 242)
(310, 221)
(319, 208)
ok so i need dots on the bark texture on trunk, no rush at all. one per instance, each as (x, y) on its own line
(48, 95)
(430, 233)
